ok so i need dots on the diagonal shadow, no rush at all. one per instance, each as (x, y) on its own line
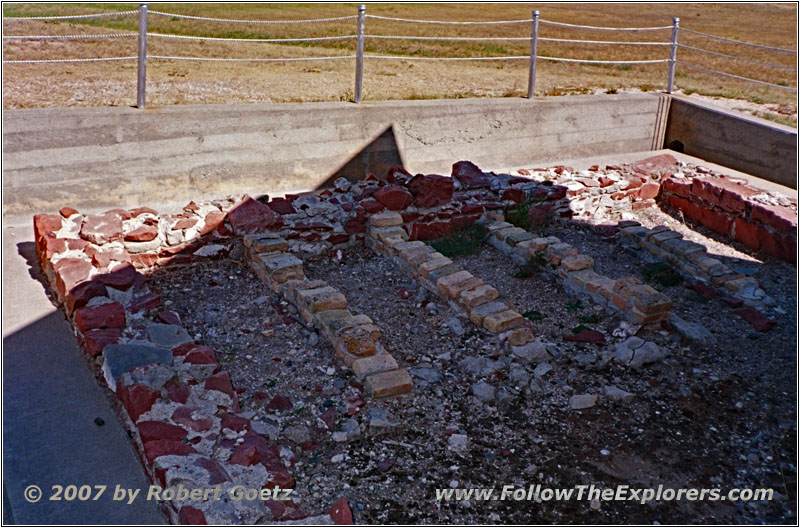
(376, 157)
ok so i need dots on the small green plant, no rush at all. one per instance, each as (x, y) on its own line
(580, 328)
(693, 297)
(534, 315)
(573, 306)
(589, 319)
(531, 267)
(520, 215)
(662, 274)
(463, 242)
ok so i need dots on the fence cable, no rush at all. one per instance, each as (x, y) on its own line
(75, 17)
(790, 88)
(44, 61)
(212, 59)
(737, 41)
(624, 42)
(69, 37)
(737, 58)
(602, 28)
(236, 21)
(275, 40)
(559, 59)
(404, 57)
(416, 37)
(484, 23)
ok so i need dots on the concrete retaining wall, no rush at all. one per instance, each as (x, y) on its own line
(94, 158)
(749, 144)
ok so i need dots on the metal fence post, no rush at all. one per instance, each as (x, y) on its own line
(532, 68)
(141, 79)
(673, 52)
(360, 52)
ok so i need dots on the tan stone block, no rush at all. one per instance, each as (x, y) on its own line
(405, 246)
(344, 357)
(662, 236)
(518, 237)
(655, 302)
(623, 282)
(643, 318)
(476, 296)
(335, 325)
(282, 266)
(449, 283)
(435, 261)
(736, 285)
(502, 321)
(265, 243)
(577, 263)
(495, 226)
(290, 287)
(385, 233)
(520, 336)
(409, 254)
(539, 245)
(444, 271)
(321, 299)
(358, 340)
(619, 301)
(557, 252)
(386, 219)
(368, 366)
(582, 278)
(636, 290)
(503, 234)
(721, 280)
(477, 314)
(389, 383)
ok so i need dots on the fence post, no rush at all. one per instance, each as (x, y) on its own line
(532, 67)
(360, 52)
(673, 52)
(141, 79)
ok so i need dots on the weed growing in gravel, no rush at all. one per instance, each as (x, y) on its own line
(463, 242)
(534, 316)
(531, 267)
(589, 319)
(520, 215)
(693, 297)
(662, 274)
(573, 306)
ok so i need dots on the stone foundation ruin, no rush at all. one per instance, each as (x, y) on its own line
(181, 406)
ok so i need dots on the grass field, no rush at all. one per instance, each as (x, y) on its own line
(177, 82)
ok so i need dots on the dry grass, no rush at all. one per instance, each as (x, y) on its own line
(177, 82)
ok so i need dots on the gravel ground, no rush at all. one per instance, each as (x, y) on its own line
(721, 417)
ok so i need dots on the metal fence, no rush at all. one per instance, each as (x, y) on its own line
(360, 36)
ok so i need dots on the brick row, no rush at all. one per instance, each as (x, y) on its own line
(355, 337)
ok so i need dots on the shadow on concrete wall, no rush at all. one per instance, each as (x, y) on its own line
(376, 157)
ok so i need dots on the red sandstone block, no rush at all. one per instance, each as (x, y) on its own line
(649, 190)
(678, 186)
(150, 430)
(137, 399)
(781, 219)
(109, 315)
(748, 233)
(190, 515)
(96, 340)
(157, 448)
(722, 192)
